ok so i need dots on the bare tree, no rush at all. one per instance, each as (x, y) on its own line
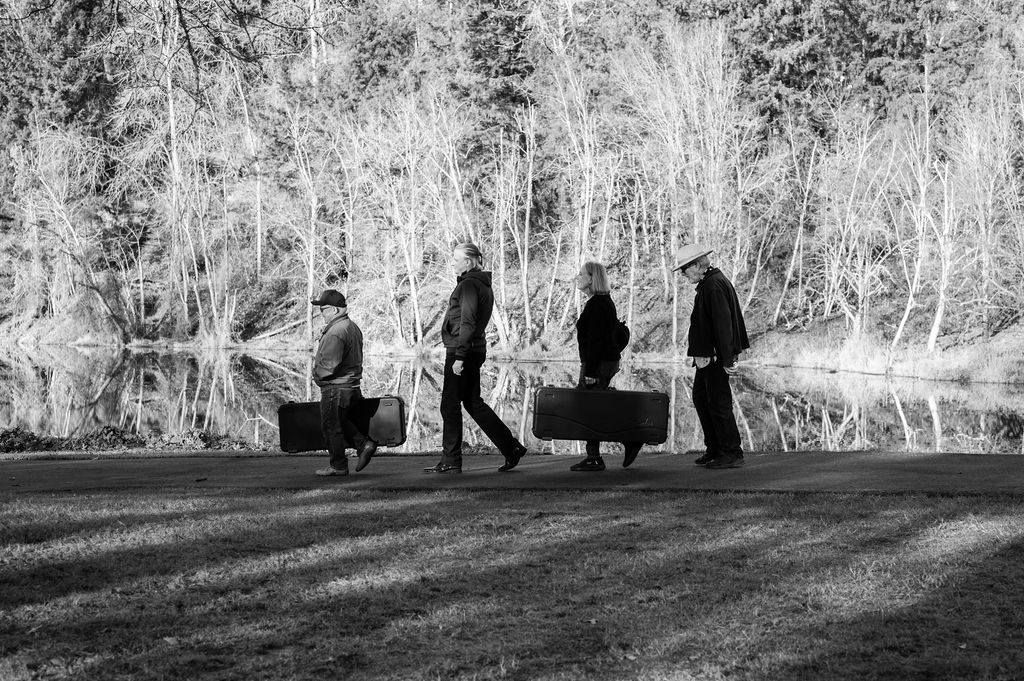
(59, 194)
(804, 179)
(982, 147)
(851, 244)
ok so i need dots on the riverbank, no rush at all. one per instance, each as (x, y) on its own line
(112, 440)
(90, 399)
(998, 359)
(825, 347)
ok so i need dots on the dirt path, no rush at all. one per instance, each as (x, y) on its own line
(782, 472)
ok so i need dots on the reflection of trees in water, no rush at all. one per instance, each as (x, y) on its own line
(60, 391)
(797, 423)
(68, 392)
(815, 410)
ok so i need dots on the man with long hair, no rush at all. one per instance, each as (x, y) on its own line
(465, 341)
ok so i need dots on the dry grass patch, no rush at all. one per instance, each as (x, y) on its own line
(517, 585)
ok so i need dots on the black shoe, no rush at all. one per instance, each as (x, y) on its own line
(704, 460)
(366, 453)
(726, 462)
(512, 459)
(630, 457)
(331, 470)
(588, 464)
(444, 468)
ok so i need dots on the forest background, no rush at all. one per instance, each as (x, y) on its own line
(193, 171)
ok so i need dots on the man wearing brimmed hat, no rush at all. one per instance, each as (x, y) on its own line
(338, 370)
(717, 337)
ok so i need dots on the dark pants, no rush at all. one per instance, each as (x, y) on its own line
(606, 372)
(464, 391)
(339, 432)
(712, 398)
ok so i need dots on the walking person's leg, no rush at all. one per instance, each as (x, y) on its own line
(347, 401)
(593, 461)
(451, 420)
(727, 433)
(334, 435)
(629, 452)
(494, 428)
(702, 405)
(629, 449)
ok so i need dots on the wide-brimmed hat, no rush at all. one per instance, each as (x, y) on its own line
(687, 254)
(330, 297)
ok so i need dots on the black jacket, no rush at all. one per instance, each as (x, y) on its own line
(716, 323)
(594, 332)
(339, 356)
(469, 311)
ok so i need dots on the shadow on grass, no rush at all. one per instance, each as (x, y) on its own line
(605, 585)
(973, 628)
(81, 556)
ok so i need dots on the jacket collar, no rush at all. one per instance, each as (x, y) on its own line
(467, 273)
(707, 273)
(340, 318)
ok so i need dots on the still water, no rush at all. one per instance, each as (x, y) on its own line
(70, 392)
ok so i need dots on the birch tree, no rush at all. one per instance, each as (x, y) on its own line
(851, 244)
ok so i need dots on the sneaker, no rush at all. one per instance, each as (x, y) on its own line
(366, 453)
(726, 462)
(331, 470)
(630, 457)
(704, 460)
(444, 468)
(512, 459)
(588, 465)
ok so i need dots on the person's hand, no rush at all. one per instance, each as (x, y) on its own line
(733, 368)
(457, 367)
(589, 380)
(701, 362)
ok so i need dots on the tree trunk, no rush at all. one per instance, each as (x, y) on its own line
(414, 293)
(311, 259)
(940, 311)
(933, 407)
(551, 283)
(258, 169)
(911, 304)
(529, 131)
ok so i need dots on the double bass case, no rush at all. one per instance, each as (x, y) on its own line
(603, 415)
(382, 419)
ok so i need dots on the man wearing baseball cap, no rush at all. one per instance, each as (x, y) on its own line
(717, 337)
(338, 370)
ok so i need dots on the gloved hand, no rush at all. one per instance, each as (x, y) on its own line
(733, 368)
(701, 362)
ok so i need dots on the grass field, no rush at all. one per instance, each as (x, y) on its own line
(509, 585)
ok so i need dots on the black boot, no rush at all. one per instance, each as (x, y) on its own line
(366, 453)
(588, 464)
(632, 449)
(444, 468)
(512, 458)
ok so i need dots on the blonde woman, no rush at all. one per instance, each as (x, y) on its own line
(599, 356)
(465, 342)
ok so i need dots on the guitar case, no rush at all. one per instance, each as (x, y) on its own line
(382, 419)
(603, 415)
